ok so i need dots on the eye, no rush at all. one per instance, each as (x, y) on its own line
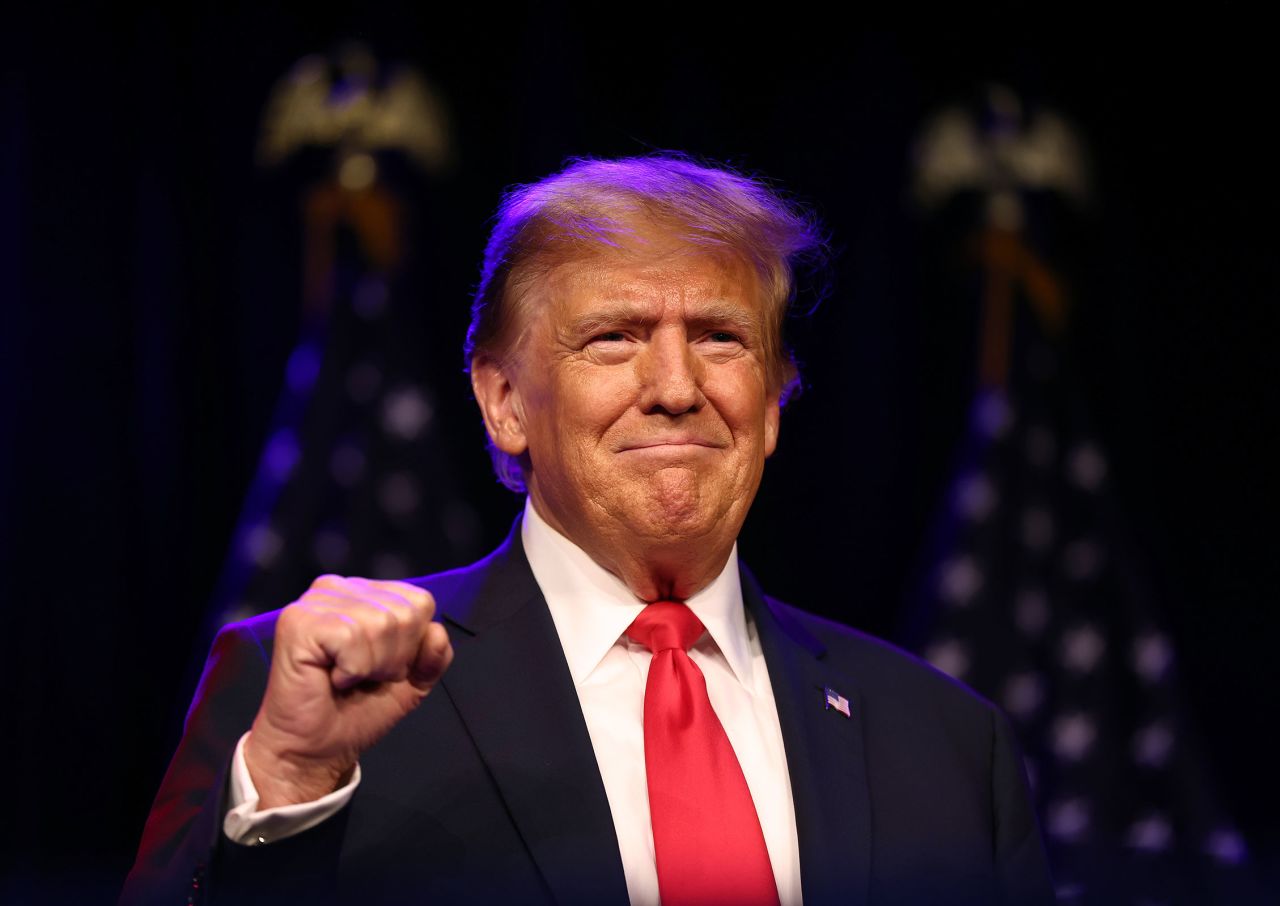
(610, 344)
(723, 336)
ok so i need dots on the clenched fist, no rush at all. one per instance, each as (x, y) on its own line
(352, 657)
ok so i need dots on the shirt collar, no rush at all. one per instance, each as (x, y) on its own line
(592, 608)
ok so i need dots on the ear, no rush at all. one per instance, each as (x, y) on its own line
(772, 422)
(499, 404)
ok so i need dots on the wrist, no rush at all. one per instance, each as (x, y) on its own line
(282, 777)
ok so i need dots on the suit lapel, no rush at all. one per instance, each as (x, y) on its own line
(512, 687)
(826, 756)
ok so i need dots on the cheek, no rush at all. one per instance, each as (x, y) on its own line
(594, 401)
(742, 403)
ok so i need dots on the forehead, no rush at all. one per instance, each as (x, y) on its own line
(646, 277)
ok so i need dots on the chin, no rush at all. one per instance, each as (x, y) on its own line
(672, 507)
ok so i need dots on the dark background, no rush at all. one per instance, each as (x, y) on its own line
(148, 298)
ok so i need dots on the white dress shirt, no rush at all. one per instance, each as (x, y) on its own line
(591, 609)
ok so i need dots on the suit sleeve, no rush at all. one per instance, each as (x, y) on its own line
(184, 856)
(182, 830)
(1022, 869)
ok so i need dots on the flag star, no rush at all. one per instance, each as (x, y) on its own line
(1041, 446)
(405, 412)
(1031, 611)
(959, 580)
(1086, 466)
(1082, 559)
(1151, 834)
(1068, 819)
(1023, 694)
(975, 497)
(262, 544)
(950, 656)
(1082, 648)
(1037, 528)
(1073, 736)
(1152, 656)
(1226, 847)
(1153, 744)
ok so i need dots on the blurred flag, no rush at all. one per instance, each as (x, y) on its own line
(1034, 594)
(354, 477)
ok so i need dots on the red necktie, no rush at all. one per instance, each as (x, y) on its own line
(706, 834)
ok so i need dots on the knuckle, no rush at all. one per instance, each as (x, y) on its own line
(383, 620)
(411, 603)
(327, 582)
(341, 628)
(407, 590)
(293, 615)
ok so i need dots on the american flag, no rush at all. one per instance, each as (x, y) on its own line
(1035, 596)
(1034, 592)
(355, 476)
(837, 702)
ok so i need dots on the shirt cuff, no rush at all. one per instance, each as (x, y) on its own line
(245, 824)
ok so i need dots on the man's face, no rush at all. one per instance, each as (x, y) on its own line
(639, 391)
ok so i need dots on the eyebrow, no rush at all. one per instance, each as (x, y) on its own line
(708, 315)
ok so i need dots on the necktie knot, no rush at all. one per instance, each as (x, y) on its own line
(664, 625)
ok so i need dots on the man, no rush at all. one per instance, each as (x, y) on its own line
(609, 709)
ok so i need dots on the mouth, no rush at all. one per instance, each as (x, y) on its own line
(671, 446)
(677, 441)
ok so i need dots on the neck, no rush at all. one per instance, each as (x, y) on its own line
(675, 574)
(662, 568)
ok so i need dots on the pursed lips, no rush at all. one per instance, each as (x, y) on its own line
(679, 441)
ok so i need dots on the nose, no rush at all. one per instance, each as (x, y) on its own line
(671, 375)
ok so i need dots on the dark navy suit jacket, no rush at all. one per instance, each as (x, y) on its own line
(489, 792)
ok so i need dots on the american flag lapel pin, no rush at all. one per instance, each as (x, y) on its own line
(837, 701)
